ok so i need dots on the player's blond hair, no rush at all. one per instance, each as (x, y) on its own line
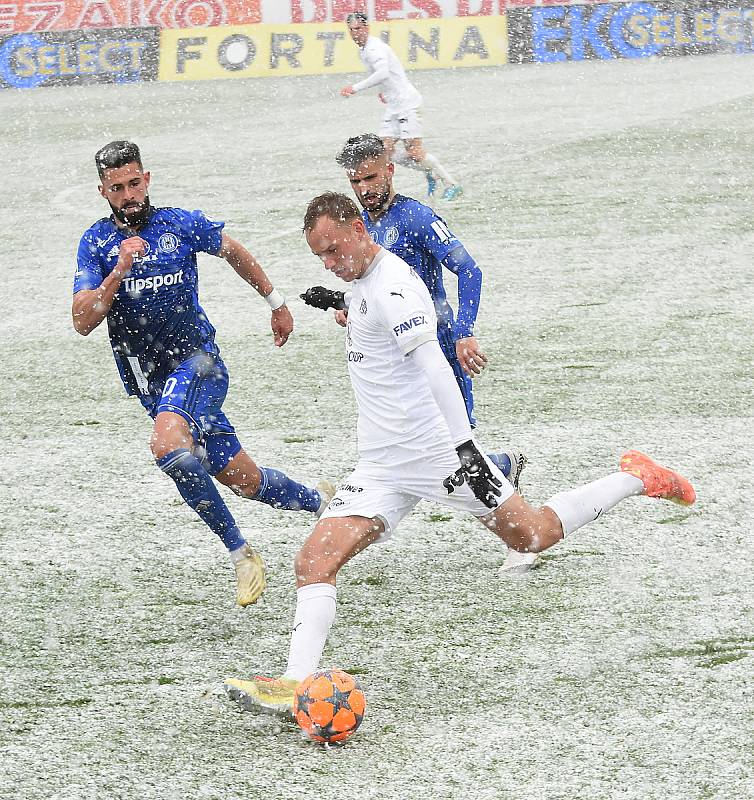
(334, 205)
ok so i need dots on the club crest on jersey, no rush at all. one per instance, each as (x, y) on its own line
(410, 324)
(391, 236)
(363, 306)
(168, 243)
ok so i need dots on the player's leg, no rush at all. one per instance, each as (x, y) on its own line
(172, 443)
(389, 145)
(332, 543)
(363, 511)
(270, 486)
(411, 135)
(393, 134)
(191, 441)
(529, 529)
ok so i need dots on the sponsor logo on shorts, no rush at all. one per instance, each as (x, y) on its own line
(410, 324)
(135, 286)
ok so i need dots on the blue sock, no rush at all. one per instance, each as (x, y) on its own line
(198, 489)
(501, 461)
(279, 491)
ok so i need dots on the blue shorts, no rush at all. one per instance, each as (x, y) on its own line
(196, 391)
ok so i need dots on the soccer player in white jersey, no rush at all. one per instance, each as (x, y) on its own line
(415, 443)
(401, 121)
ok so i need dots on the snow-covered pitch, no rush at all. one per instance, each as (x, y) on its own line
(610, 206)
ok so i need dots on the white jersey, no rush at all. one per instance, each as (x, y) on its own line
(387, 72)
(390, 314)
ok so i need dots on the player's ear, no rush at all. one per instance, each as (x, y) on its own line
(390, 168)
(101, 190)
(147, 178)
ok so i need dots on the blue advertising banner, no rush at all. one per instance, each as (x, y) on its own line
(56, 58)
(629, 30)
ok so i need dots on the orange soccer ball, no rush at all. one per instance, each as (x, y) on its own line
(329, 705)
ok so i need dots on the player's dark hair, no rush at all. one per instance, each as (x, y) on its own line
(358, 149)
(117, 154)
(334, 205)
(357, 16)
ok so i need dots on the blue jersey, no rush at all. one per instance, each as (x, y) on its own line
(155, 322)
(414, 232)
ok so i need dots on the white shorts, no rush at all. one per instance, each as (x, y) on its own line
(394, 480)
(401, 125)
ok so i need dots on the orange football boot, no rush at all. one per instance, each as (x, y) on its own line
(658, 481)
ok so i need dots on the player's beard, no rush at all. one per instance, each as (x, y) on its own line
(133, 218)
(376, 204)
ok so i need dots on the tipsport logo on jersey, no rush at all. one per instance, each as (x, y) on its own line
(629, 30)
(55, 58)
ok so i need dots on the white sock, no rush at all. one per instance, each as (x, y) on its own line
(315, 612)
(584, 504)
(239, 554)
(431, 164)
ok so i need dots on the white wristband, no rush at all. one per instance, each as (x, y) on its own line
(276, 299)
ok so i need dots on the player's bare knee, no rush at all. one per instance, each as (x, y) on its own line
(524, 528)
(312, 566)
(539, 530)
(415, 150)
(160, 447)
(170, 433)
(389, 145)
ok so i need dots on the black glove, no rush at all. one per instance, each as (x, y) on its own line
(475, 471)
(319, 297)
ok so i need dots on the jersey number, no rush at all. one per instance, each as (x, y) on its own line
(170, 385)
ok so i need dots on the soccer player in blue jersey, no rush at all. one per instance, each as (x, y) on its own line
(137, 269)
(414, 232)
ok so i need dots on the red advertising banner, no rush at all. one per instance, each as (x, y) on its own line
(279, 12)
(21, 16)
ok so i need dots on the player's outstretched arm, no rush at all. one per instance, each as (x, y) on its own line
(91, 306)
(474, 468)
(429, 358)
(244, 263)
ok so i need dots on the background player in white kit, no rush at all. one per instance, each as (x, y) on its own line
(415, 442)
(401, 121)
